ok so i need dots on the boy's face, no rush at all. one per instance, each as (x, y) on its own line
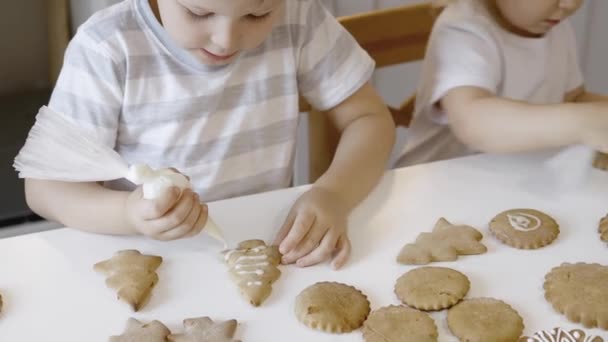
(536, 17)
(216, 31)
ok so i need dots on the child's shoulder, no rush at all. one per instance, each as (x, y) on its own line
(104, 23)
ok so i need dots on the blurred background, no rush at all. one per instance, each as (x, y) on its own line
(32, 30)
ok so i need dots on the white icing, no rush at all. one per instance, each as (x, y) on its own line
(258, 249)
(254, 283)
(229, 254)
(258, 272)
(251, 257)
(558, 335)
(524, 222)
(258, 264)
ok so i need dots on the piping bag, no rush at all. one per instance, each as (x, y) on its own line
(57, 149)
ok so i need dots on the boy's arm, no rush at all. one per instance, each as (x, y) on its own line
(367, 137)
(581, 95)
(86, 206)
(492, 124)
(91, 207)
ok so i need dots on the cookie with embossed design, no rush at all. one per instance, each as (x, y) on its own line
(524, 228)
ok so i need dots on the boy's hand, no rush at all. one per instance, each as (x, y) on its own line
(173, 215)
(315, 230)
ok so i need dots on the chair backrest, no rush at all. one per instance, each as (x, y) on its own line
(391, 36)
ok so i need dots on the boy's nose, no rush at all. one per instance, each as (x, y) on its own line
(225, 37)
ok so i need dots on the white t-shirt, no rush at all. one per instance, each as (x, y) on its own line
(467, 48)
(232, 129)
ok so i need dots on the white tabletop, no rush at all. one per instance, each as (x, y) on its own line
(51, 292)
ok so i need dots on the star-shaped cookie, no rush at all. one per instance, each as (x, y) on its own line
(203, 329)
(137, 331)
(445, 243)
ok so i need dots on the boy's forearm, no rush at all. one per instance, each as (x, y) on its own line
(499, 125)
(590, 97)
(84, 206)
(360, 158)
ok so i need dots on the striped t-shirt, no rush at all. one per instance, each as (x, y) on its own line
(232, 129)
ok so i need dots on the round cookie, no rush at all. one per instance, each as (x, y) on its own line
(603, 229)
(432, 288)
(561, 335)
(332, 307)
(524, 228)
(579, 291)
(485, 319)
(399, 324)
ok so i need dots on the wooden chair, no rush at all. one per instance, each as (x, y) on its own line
(391, 36)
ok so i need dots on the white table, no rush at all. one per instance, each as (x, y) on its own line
(51, 292)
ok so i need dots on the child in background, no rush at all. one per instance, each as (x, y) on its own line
(503, 76)
(211, 88)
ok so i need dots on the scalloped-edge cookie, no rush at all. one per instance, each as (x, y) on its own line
(580, 292)
(561, 335)
(485, 319)
(432, 288)
(524, 228)
(398, 323)
(332, 307)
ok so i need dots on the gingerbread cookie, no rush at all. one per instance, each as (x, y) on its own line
(603, 229)
(524, 228)
(132, 275)
(485, 319)
(0, 303)
(432, 288)
(332, 307)
(445, 243)
(203, 329)
(561, 335)
(136, 331)
(399, 324)
(579, 291)
(253, 266)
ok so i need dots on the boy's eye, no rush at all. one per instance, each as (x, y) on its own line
(197, 16)
(258, 17)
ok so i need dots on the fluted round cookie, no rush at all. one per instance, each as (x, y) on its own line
(485, 319)
(432, 288)
(579, 291)
(603, 229)
(524, 228)
(332, 307)
(399, 324)
(561, 335)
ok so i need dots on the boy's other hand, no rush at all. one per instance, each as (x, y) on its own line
(315, 230)
(173, 215)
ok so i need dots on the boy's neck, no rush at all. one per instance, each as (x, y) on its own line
(505, 24)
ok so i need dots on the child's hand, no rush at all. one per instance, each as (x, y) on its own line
(173, 215)
(314, 230)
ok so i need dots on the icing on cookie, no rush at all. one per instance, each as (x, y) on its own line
(524, 222)
(258, 272)
(254, 283)
(258, 264)
(560, 335)
(251, 257)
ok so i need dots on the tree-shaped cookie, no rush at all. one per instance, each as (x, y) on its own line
(445, 243)
(136, 331)
(132, 275)
(203, 329)
(253, 267)
(603, 229)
